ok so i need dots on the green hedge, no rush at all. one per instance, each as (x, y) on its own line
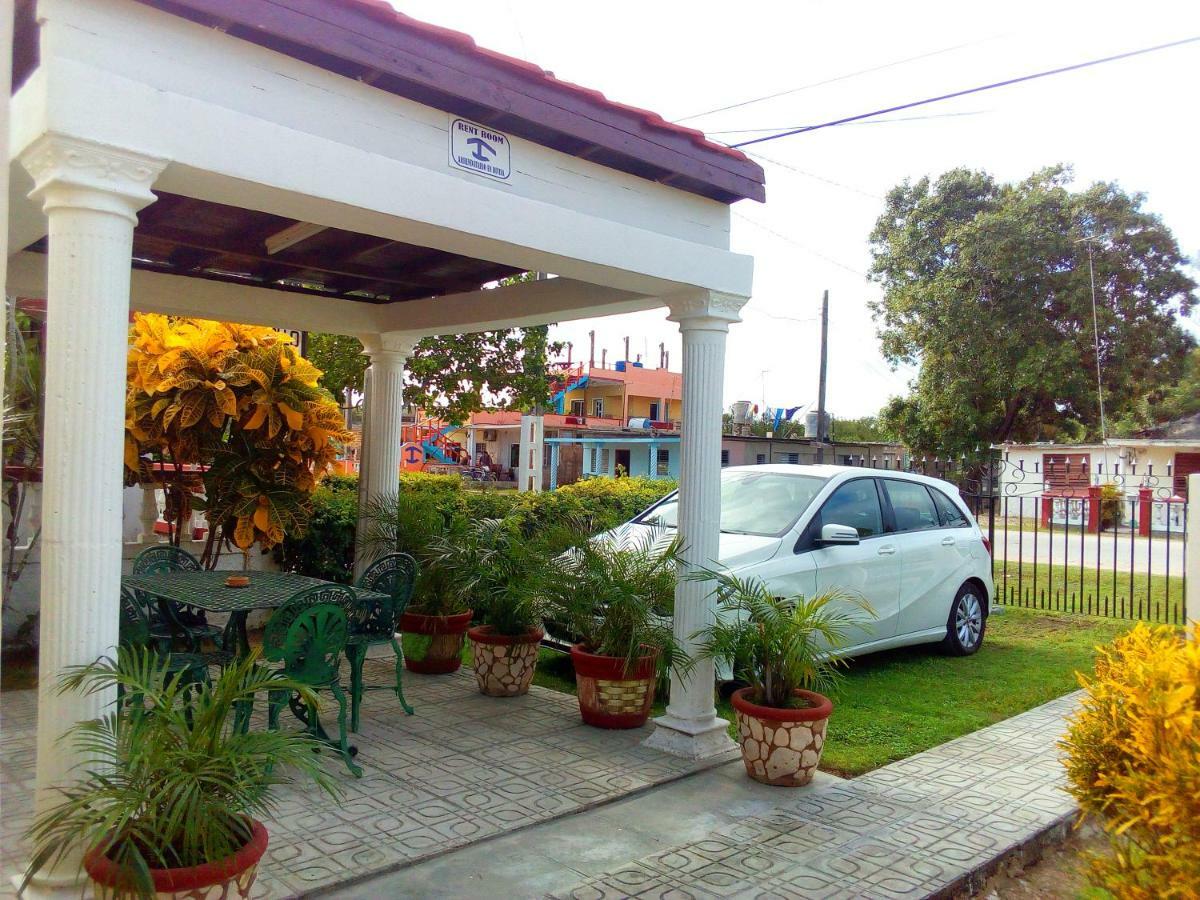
(326, 550)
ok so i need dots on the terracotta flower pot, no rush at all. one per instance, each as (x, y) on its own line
(446, 634)
(504, 663)
(781, 746)
(225, 879)
(610, 697)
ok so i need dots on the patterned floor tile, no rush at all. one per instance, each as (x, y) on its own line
(463, 769)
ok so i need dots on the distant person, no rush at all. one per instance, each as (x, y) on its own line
(485, 459)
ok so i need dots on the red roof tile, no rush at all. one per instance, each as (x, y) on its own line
(499, 90)
(386, 12)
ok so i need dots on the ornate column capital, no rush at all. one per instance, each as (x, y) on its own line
(705, 310)
(72, 172)
(394, 346)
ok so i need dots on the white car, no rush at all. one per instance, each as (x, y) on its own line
(905, 542)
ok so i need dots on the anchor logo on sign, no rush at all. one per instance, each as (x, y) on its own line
(413, 455)
(482, 148)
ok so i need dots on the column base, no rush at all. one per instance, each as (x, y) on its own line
(690, 739)
(68, 888)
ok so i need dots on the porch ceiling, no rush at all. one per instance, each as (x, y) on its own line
(201, 239)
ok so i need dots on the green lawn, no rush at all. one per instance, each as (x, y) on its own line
(900, 702)
(1155, 598)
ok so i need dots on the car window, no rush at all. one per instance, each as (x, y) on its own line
(912, 506)
(761, 503)
(855, 503)
(951, 515)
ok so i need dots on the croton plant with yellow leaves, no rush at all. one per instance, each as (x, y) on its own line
(1133, 762)
(240, 400)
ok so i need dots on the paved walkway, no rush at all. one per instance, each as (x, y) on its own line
(925, 826)
(465, 768)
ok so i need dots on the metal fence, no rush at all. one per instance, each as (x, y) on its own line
(1071, 537)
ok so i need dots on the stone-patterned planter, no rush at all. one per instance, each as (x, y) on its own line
(225, 879)
(446, 636)
(781, 746)
(610, 697)
(504, 663)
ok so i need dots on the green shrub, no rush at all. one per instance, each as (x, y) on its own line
(327, 549)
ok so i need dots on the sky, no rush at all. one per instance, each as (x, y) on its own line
(1136, 122)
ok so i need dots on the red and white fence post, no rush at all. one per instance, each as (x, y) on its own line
(1191, 599)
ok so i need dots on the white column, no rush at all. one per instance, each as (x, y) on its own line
(383, 406)
(90, 194)
(149, 513)
(554, 451)
(691, 727)
(1191, 601)
(530, 453)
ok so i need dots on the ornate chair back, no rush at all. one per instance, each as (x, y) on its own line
(393, 575)
(308, 634)
(135, 626)
(164, 558)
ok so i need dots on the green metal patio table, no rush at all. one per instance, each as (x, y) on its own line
(208, 591)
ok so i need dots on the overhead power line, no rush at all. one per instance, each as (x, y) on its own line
(804, 247)
(836, 78)
(975, 90)
(816, 177)
(953, 115)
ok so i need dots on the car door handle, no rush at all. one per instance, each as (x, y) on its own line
(886, 551)
(948, 542)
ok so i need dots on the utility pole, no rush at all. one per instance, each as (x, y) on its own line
(821, 435)
(591, 349)
(626, 356)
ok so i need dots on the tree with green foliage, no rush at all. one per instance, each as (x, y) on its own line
(456, 374)
(864, 428)
(1165, 402)
(987, 287)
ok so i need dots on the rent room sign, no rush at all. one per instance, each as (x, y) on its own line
(478, 149)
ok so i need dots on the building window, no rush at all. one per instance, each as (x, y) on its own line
(724, 457)
(604, 455)
(654, 412)
(592, 459)
(598, 407)
(514, 456)
(793, 459)
(847, 460)
(577, 407)
(760, 459)
(662, 462)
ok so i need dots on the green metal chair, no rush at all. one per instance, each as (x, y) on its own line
(136, 630)
(374, 621)
(308, 635)
(189, 624)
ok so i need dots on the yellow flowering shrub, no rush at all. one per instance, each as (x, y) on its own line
(240, 400)
(1133, 762)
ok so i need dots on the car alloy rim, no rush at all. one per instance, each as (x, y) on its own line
(968, 620)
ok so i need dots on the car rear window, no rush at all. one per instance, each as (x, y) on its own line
(912, 507)
(951, 515)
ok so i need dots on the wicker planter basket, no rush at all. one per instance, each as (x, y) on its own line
(610, 697)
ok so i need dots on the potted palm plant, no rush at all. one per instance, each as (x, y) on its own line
(614, 596)
(168, 805)
(786, 649)
(498, 571)
(435, 623)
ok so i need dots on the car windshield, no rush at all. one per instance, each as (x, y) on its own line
(761, 503)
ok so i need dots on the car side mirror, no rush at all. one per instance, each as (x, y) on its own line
(838, 534)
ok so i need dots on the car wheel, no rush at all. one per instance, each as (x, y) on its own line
(967, 623)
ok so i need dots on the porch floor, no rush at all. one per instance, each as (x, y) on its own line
(464, 768)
